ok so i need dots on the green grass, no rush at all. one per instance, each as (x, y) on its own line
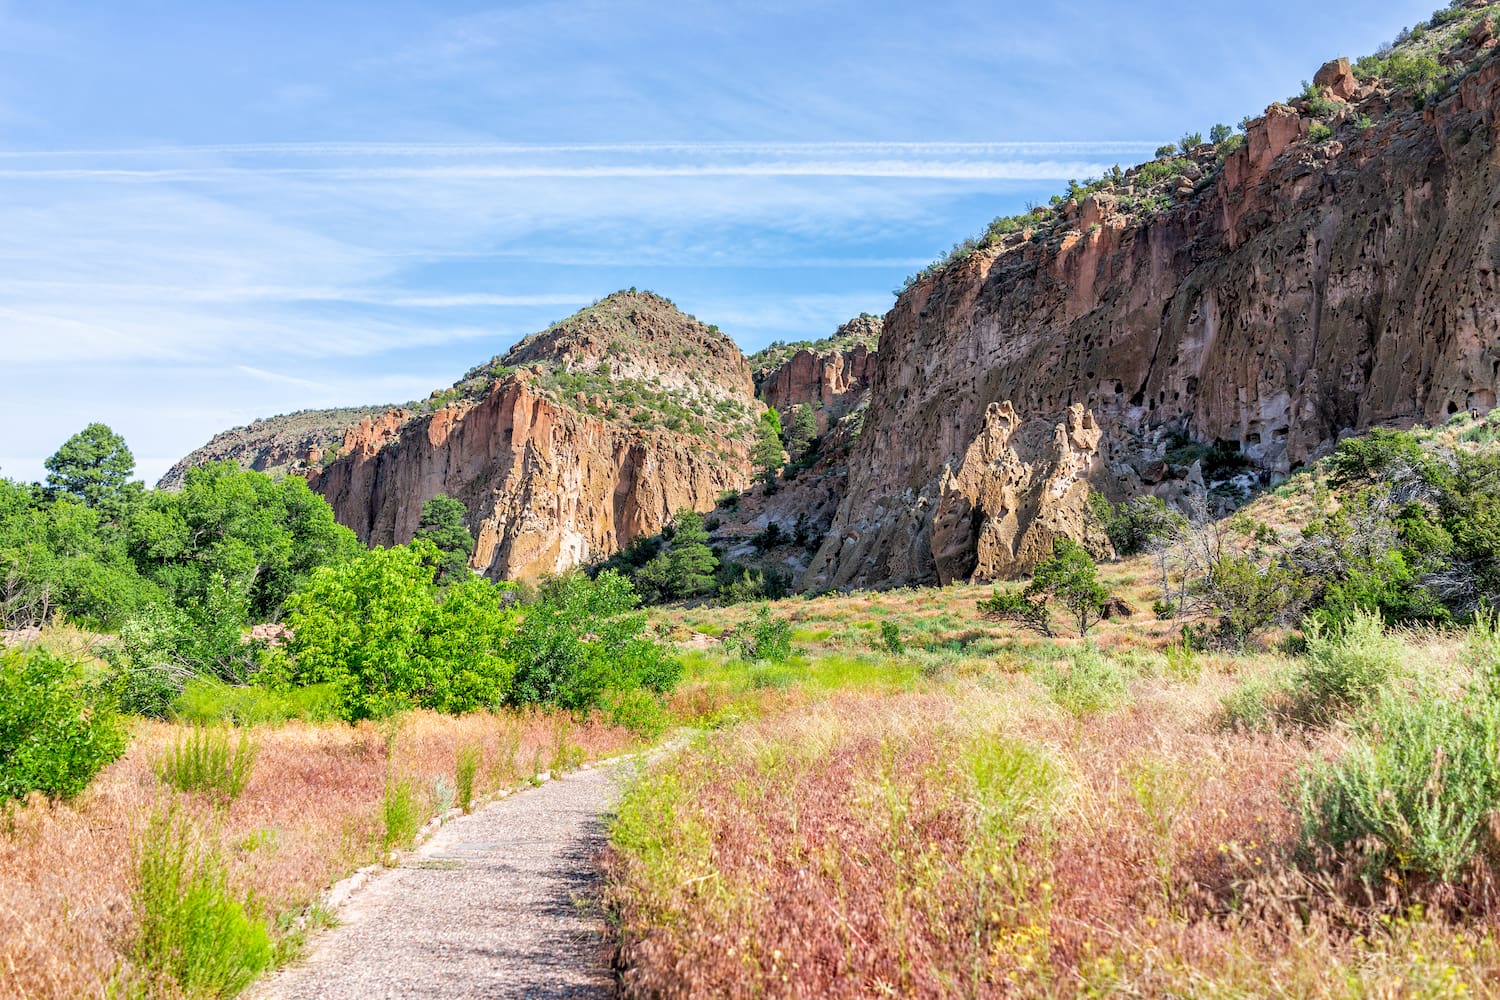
(193, 930)
(400, 813)
(204, 761)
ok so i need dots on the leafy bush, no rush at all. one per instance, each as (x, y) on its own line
(890, 638)
(1346, 667)
(1090, 683)
(57, 727)
(1319, 133)
(583, 638)
(377, 629)
(193, 931)
(766, 639)
(204, 761)
(638, 710)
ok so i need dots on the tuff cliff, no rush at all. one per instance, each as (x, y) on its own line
(295, 443)
(579, 439)
(1337, 268)
(831, 376)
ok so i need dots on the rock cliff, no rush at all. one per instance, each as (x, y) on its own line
(295, 443)
(579, 439)
(831, 376)
(1337, 268)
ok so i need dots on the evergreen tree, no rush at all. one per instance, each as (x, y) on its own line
(442, 524)
(692, 562)
(803, 432)
(1070, 575)
(94, 466)
(767, 454)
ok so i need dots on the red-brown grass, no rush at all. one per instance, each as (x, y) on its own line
(840, 849)
(309, 816)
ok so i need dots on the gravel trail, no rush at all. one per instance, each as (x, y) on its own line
(501, 903)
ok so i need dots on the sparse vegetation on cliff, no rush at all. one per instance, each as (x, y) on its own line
(1424, 61)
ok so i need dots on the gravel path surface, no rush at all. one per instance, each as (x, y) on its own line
(502, 903)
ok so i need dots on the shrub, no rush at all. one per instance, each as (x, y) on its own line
(890, 638)
(465, 768)
(766, 639)
(1346, 667)
(1415, 792)
(1251, 595)
(57, 727)
(203, 761)
(193, 931)
(584, 638)
(1133, 525)
(1319, 133)
(1090, 683)
(637, 710)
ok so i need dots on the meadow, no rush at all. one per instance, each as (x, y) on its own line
(131, 888)
(917, 802)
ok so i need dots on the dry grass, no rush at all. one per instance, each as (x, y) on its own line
(310, 815)
(972, 839)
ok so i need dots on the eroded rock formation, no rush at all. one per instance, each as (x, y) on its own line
(1305, 290)
(832, 377)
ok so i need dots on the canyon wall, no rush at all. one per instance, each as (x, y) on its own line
(1310, 286)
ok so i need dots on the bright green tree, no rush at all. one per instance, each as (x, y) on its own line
(375, 628)
(803, 432)
(94, 466)
(585, 638)
(767, 454)
(442, 524)
(1069, 575)
(239, 537)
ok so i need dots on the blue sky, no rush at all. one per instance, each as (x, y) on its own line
(212, 212)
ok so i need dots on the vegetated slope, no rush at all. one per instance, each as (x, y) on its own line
(1336, 268)
(579, 439)
(292, 443)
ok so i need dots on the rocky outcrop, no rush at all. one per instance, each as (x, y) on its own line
(1303, 291)
(832, 377)
(546, 487)
(578, 440)
(295, 443)
(1019, 487)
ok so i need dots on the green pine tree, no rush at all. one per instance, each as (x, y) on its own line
(442, 524)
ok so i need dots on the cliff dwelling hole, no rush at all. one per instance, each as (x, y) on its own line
(1119, 389)
(1252, 438)
(1452, 407)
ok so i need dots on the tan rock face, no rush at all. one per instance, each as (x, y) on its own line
(546, 487)
(832, 381)
(1336, 79)
(1019, 487)
(554, 475)
(1301, 296)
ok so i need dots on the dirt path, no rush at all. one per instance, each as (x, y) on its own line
(501, 903)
